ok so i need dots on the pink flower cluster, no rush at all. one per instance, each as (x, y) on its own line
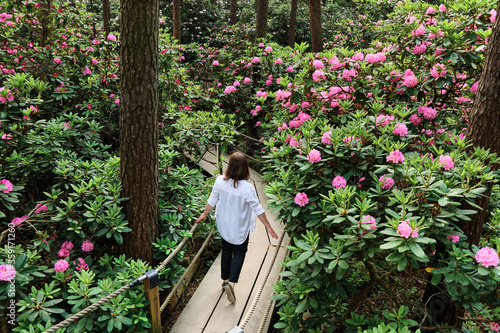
(447, 162)
(314, 156)
(395, 157)
(301, 199)
(487, 257)
(339, 182)
(495, 326)
(401, 129)
(327, 138)
(438, 70)
(18, 221)
(7, 184)
(406, 231)
(387, 182)
(375, 57)
(454, 238)
(369, 221)
(7, 272)
(428, 112)
(383, 120)
(81, 265)
(61, 265)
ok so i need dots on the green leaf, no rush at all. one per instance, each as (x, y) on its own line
(391, 244)
(417, 250)
(436, 279)
(301, 306)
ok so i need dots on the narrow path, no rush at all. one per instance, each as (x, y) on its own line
(209, 311)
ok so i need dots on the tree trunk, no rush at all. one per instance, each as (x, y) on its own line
(484, 124)
(261, 7)
(315, 19)
(232, 14)
(106, 15)
(45, 22)
(177, 20)
(139, 123)
(293, 24)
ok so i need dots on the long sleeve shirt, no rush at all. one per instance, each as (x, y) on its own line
(236, 209)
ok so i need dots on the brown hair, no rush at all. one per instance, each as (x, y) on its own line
(237, 168)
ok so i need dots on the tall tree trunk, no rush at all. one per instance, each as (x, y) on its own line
(315, 20)
(139, 123)
(177, 20)
(293, 23)
(484, 125)
(106, 16)
(45, 22)
(233, 10)
(261, 7)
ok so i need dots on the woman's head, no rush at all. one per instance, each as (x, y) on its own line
(237, 168)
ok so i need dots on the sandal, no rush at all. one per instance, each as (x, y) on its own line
(229, 291)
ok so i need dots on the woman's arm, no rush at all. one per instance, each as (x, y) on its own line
(263, 218)
(203, 215)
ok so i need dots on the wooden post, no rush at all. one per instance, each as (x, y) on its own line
(153, 296)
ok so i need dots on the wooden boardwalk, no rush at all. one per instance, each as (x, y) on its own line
(209, 311)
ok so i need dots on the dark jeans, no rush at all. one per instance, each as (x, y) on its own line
(232, 260)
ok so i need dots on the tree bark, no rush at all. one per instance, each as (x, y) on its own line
(139, 123)
(233, 11)
(484, 124)
(106, 16)
(483, 129)
(261, 7)
(177, 20)
(315, 19)
(293, 23)
(45, 22)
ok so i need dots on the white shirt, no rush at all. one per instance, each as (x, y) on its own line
(236, 209)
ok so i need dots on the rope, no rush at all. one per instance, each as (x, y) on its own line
(177, 249)
(87, 310)
(186, 272)
(251, 310)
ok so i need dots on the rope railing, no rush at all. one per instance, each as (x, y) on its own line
(104, 300)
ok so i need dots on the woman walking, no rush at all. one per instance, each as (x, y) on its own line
(237, 206)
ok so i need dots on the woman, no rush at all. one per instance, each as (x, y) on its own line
(237, 205)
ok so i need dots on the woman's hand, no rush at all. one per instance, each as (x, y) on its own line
(273, 234)
(201, 218)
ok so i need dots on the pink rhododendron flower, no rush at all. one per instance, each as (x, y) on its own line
(41, 208)
(96, 41)
(88, 246)
(473, 88)
(358, 56)
(370, 221)
(278, 61)
(57, 61)
(406, 231)
(410, 81)
(318, 75)
(395, 157)
(418, 32)
(383, 120)
(81, 265)
(495, 326)
(295, 143)
(215, 63)
(487, 257)
(7, 272)
(438, 70)
(339, 182)
(94, 61)
(268, 49)
(447, 162)
(415, 120)
(318, 64)
(305, 105)
(454, 238)
(67, 245)
(401, 129)
(387, 182)
(290, 69)
(18, 221)
(430, 11)
(87, 71)
(419, 49)
(301, 199)
(442, 8)
(314, 156)
(428, 112)
(493, 16)
(7, 184)
(63, 253)
(326, 138)
(61, 265)
(247, 80)
(255, 60)
(350, 140)
(375, 57)
(112, 37)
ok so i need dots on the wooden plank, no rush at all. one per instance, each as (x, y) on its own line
(197, 312)
(226, 315)
(153, 296)
(254, 322)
